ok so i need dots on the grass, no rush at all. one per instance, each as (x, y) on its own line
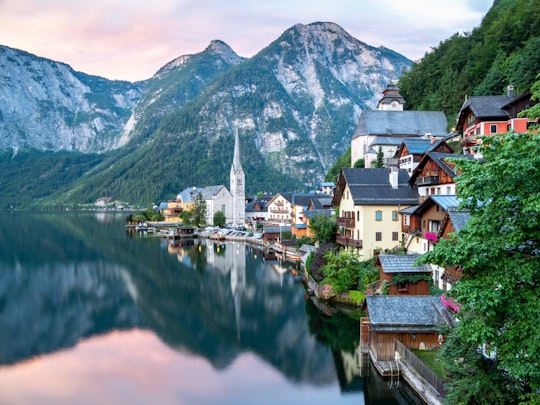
(356, 296)
(429, 358)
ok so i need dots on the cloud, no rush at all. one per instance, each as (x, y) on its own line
(132, 39)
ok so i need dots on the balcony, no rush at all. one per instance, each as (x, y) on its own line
(278, 211)
(427, 180)
(346, 222)
(346, 241)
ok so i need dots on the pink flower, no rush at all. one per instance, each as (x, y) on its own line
(449, 303)
(327, 292)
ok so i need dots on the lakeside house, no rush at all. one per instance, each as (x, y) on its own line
(369, 202)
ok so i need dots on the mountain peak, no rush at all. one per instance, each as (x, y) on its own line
(220, 48)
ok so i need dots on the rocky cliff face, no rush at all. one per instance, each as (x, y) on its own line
(48, 106)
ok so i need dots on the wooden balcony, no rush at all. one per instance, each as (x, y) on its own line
(346, 222)
(346, 241)
(427, 180)
(279, 211)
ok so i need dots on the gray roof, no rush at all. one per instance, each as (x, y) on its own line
(277, 229)
(417, 146)
(402, 264)
(414, 313)
(386, 140)
(189, 194)
(458, 218)
(372, 187)
(401, 123)
(440, 159)
(327, 212)
(488, 106)
(302, 199)
(409, 210)
(446, 201)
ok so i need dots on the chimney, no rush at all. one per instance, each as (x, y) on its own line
(510, 91)
(393, 174)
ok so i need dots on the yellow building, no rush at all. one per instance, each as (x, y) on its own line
(369, 202)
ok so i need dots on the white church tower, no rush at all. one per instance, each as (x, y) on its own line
(238, 185)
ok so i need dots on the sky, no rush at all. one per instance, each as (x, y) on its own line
(132, 39)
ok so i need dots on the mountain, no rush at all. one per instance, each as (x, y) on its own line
(295, 104)
(48, 106)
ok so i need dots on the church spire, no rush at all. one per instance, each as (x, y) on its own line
(236, 165)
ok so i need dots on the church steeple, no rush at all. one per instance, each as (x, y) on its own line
(236, 165)
(238, 185)
(391, 99)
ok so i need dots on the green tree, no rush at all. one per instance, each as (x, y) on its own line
(187, 217)
(343, 162)
(379, 163)
(199, 210)
(323, 227)
(499, 251)
(219, 218)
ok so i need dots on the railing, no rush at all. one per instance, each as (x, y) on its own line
(279, 211)
(346, 222)
(426, 180)
(373, 286)
(427, 373)
(345, 241)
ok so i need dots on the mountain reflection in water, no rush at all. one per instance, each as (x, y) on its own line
(92, 314)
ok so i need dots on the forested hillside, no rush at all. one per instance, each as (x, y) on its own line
(503, 50)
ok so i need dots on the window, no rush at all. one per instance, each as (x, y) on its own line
(434, 226)
(531, 124)
(378, 215)
(395, 216)
(395, 235)
(223, 208)
(407, 219)
(493, 129)
(378, 236)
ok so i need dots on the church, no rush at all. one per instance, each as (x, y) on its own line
(217, 198)
(384, 129)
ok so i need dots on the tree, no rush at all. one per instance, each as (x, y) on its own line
(499, 251)
(187, 217)
(219, 218)
(379, 163)
(199, 210)
(324, 228)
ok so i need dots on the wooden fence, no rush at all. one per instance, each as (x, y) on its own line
(427, 373)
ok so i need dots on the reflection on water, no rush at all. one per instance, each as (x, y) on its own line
(92, 314)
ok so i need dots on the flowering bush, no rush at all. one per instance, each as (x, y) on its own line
(327, 292)
(431, 236)
(448, 302)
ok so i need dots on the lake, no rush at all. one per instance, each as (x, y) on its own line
(93, 314)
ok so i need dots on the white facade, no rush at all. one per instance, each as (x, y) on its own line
(237, 182)
(279, 209)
